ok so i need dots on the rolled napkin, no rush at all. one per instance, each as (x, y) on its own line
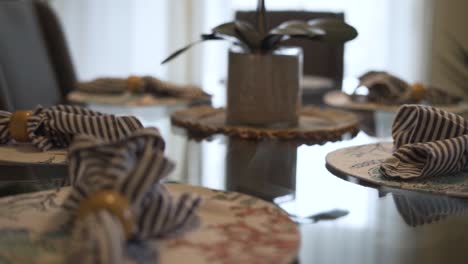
(428, 142)
(55, 126)
(145, 84)
(385, 88)
(117, 197)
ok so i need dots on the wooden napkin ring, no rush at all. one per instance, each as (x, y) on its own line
(418, 91)
(114, 203)
(18, 126)
(134, 83)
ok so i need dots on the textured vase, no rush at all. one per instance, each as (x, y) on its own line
(264, 89)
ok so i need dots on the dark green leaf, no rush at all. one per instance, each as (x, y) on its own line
(297, 28)
(179, 51)
(261, 18)
(293, 24)
(290, 29)
(204, 37)
(335, 29)
(211, 36)
(271, 42)
(248, 35)
(227, 29)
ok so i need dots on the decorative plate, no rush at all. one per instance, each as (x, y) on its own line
(316, 126)
(342, 100)
(132, 100)
(363, 162)
(235, 228)
(28, 154)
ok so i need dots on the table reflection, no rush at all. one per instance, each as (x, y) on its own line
(266, 169)
(17, 179)
(419, 209)
(341, 219)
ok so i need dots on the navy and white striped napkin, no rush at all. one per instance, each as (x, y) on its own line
(428, 142)
(144, 84)
(385, 88)
(55, 126)
(132, 167)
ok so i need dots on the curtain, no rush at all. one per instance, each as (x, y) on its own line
(449, 56)
(121, 37)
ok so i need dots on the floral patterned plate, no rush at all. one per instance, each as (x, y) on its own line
(28, 154)
(235, 228)
(363, 162)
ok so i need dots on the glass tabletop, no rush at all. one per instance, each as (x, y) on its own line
(341, 219)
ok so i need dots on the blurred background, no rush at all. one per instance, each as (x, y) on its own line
(122, 37)
(417, 40)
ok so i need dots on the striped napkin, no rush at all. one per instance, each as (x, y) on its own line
(133, 168)
(428, 142)
(383, 88)
(55, 126)
(388, 89)
(145, 84)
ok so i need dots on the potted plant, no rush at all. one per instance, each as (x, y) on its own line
(264, 78)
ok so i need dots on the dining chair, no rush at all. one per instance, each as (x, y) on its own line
(323, 62)
(35, 69)
(35, 65)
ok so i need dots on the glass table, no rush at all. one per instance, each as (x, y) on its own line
(341, 220)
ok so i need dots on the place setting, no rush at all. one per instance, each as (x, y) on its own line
(42, 135)
(383, 91)
(428, 154)
(115, 180)
(137, 91)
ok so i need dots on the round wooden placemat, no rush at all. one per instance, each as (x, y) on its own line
(316, 126)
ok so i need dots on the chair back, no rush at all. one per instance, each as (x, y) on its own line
(57, 47)
(35, 67)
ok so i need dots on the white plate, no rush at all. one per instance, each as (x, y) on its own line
(235, 228)
(131, 100)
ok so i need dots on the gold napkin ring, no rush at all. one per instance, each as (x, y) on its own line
(418, 91)
(134, 83)
(18, 126)
(114, 203)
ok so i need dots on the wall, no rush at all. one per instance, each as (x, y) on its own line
(449, 67)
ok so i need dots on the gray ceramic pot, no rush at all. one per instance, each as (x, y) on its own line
(264, 89)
